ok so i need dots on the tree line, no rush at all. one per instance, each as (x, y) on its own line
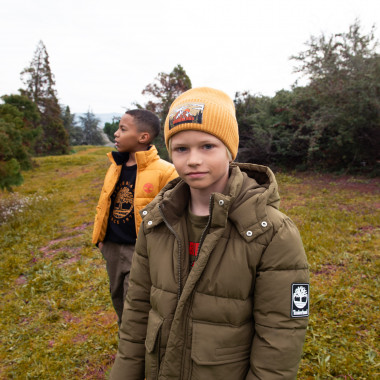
(33, 123)
(332, 123)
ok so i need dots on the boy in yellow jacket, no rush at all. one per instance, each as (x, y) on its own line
(135, 177)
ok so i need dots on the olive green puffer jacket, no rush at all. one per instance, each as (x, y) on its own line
(233, 315)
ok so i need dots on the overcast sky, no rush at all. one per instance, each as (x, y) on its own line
(103, 53)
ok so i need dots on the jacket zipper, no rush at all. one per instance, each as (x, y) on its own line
(179, 253)
(206, 228)
(192, 296)
(158, 353)
(179, 267)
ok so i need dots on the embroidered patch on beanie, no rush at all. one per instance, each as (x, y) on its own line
(186, 113)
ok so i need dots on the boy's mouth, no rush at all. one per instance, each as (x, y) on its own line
(196, 174)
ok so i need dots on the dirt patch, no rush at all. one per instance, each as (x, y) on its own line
(99, 372)
(52, 242)
(71, 260)
(82, 227)
(69, 317)
(51, 253)
(107, 318)
(368, 229)
(85, 152)
(71, 255)
(357, 184)
(21, 280)
(288, 204)
(74, 174)
(80, 338)
(329, 269)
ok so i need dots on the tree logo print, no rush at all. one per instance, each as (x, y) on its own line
(300, 297)
(123, 203)
(300, 300)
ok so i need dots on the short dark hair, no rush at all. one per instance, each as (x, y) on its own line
(146, 121)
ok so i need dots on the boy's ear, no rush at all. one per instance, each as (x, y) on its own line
(144, 138)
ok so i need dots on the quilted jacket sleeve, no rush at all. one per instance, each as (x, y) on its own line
(279, 330)
(130, 358)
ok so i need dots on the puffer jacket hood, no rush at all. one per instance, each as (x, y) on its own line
(241, 194)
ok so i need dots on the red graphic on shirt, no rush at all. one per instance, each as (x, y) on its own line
(148, 187)
(193, 250)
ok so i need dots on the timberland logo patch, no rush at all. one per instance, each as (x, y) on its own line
(148, 187)
(300, 300)
(187, 113)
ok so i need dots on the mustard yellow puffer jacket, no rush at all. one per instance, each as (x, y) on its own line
(152, 175)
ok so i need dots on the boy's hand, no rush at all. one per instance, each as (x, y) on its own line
(100, 245)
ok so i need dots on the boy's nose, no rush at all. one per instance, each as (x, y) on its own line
(194, 159)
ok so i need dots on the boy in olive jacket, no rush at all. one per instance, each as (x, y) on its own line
(134, 178)
(219, 285)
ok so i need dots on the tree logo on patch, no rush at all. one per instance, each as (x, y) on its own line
(300, 300)
(187, 113)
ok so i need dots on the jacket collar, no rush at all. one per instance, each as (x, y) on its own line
(143, 158)
(146, 157)
(250, 189)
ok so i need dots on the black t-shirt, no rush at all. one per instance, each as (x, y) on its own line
(121, 221)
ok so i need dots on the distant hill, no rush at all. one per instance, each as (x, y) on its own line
(103, 117)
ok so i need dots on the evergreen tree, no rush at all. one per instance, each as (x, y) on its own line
(252, 114)
(13, 155)
(275, 131)
(92, 135)
(39, 81)
(73, 130)
(21, 111)
(18, 130)
(110, 128)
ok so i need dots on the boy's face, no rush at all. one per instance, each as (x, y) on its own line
(201, 160)
(127, 137)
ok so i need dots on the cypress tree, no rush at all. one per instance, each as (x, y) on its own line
(39, 81)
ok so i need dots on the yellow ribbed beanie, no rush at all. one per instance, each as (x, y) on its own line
(207, 110)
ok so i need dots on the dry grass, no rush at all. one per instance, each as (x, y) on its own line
(56, 318)
(339, 221)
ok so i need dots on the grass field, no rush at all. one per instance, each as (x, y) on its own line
(56, 318)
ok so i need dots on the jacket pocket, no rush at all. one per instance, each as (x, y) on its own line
(152, 345)
(220, 344)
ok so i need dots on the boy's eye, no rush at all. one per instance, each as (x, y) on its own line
(180, 149)
(208, 146)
